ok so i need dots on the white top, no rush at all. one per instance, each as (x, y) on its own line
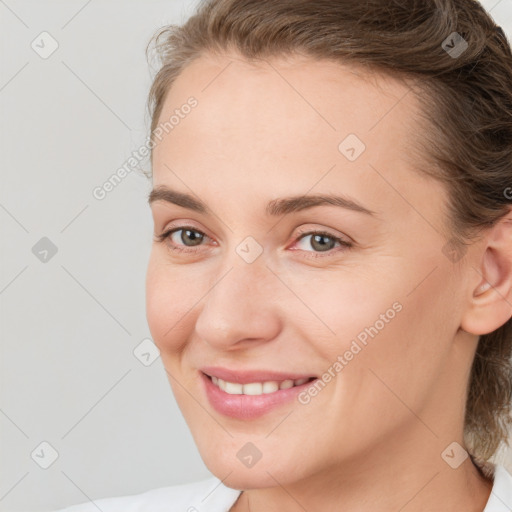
(211, 495)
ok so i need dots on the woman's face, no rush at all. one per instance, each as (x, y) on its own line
(244, 284)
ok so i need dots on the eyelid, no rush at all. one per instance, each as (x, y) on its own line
(325, 231)
(183, 224)
(344, 243)
(168, 232)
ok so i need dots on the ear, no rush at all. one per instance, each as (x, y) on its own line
(490, 292)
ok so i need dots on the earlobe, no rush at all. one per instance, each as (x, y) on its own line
(490, 293)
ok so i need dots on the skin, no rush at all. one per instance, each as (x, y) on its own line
(372, 439)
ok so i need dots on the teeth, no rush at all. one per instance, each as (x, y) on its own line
(270, 387)
(286, 384)
(256, 388)
(233, 388)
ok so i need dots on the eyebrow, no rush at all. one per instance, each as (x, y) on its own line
(275, 207)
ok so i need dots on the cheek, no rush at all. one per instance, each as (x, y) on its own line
(340, 305)
(395, 321)
(408, 354)
(168, 310)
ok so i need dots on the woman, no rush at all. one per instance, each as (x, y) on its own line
(330, 285)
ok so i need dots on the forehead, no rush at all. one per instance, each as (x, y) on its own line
(293, 107)
(280, 122)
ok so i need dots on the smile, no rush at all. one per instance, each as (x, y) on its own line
(257, 388)
(251, 400)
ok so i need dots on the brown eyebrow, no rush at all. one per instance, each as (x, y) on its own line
(275, 207)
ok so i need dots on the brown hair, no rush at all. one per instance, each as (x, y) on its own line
(466, 118)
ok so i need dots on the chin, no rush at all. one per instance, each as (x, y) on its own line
(263, 474)
(245, 479)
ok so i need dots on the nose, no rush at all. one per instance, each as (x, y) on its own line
(241, 307)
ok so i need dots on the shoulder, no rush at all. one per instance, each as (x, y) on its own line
(208, 495)
(500, 499)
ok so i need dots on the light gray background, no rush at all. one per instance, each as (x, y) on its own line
(69, 326)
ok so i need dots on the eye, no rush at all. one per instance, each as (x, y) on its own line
(322, 242)
(186, 238)
(189, 236)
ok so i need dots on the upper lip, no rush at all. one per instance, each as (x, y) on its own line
(248, 376)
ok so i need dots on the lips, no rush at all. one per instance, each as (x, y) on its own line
(249, 376)
(255, 404)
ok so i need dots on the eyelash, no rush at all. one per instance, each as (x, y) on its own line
(344, 245)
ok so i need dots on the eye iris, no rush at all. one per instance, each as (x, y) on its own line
(195, 238)
(322, 247)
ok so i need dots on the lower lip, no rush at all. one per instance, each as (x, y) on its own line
(248, 407)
